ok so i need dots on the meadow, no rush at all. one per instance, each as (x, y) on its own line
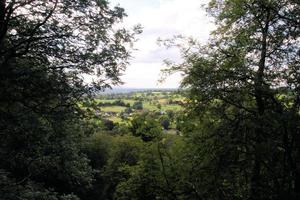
(121, 108)
(113, 106)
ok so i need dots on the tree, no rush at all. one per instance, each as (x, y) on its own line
(244, 95)
(170, 114)
(146, 127)
(138, 105)
(108, 124)
(165, 122)
(158, 106)
(46, 47)
(72, 42)
(128, 110)
(124, 152)
(159, 173)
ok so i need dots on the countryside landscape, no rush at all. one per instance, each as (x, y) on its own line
(120, 108)
(149, 100)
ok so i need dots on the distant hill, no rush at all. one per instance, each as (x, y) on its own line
(130, 90)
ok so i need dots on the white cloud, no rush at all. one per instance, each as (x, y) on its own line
(145, 75)
(161, 18)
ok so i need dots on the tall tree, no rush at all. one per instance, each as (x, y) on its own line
(46, 50)
(244, 89)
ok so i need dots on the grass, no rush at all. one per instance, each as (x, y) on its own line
(155, 97)
(174, 107)
(116, 109)
(130, 101)
(146, 105)
(105, 100)
(115, 119)
(149, 106)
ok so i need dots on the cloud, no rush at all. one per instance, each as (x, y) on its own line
(157, 56)
(145, 75)
(164, 19)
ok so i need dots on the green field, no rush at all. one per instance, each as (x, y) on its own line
(130, 101)
(105, 100)
(116, 109)
(152, 102)
(115, 119)
(149, 106)
(174, 107)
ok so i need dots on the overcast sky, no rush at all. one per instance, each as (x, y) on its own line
(164, 19)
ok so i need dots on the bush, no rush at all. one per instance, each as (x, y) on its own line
(138, 105)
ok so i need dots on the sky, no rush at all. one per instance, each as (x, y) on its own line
(160, 19)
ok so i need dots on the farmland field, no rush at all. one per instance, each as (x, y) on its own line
(116, 109)
(120, 106)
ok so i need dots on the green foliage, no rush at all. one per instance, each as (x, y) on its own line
(159, 174)
(122, 129)
(239, 136)
(146, 127)
(128, 110)
(138, 105)
(158, 106)
(108, 124)
(110, 155)
(165, 122)
(45, 48)
(243, 133)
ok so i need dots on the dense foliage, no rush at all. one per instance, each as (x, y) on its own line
(244, 97)
(238, 137)
(45, 49)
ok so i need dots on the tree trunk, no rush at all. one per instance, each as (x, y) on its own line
(255, 185)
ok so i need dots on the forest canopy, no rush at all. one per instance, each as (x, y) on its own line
(231, 133)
